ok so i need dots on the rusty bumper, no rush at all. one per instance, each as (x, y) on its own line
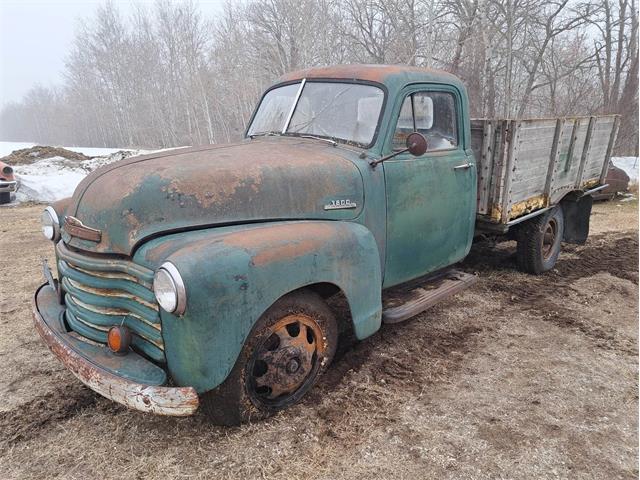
(130, 379)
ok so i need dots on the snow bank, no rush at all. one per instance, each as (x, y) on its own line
(48, 180)
(51, 179)
(629, 165)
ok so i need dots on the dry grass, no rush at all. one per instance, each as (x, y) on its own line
(518, 377)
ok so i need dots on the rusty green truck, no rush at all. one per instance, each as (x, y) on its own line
(198, 278)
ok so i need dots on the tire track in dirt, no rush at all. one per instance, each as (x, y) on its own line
(407, 357)
(615, 254)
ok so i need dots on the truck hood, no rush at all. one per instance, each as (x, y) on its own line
(255, 180)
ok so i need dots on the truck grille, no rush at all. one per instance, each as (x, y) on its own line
(103, 291)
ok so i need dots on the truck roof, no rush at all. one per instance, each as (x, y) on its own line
(390, 75)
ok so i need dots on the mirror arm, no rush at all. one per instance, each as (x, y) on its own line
(380, 160)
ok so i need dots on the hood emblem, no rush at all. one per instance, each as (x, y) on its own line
(340, 205)
(76, 228)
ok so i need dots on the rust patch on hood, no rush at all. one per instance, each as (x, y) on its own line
(218, 182)
(254, 180)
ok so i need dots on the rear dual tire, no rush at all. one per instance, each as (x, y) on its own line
(540, 241)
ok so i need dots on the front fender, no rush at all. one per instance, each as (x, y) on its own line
(233, 274)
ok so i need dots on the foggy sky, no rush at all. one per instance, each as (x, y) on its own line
(35, 36)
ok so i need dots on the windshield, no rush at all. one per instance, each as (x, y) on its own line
(341, 111)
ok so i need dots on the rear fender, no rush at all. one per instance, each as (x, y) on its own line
(232, 275)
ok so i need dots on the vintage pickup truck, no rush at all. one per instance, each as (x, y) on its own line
(198, 278)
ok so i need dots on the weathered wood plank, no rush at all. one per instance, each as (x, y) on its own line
(612, 141)
(585, 151)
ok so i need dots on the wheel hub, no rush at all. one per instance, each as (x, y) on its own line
(293, 365)
(549, 238)
(286, 359)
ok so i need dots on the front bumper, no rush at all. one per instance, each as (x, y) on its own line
(130, 379)
(8, 186)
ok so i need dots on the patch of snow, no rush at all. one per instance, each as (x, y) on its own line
(51, 179)
(97, 152)
(629, 165)
(48, 180)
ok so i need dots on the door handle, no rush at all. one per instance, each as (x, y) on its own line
(464, 166)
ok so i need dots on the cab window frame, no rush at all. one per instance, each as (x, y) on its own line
(410, 90)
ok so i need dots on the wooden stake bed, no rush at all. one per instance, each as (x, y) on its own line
(408, 300)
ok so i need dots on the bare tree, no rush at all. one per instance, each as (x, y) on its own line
(167, 76)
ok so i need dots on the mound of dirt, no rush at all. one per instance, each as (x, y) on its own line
(27, 156)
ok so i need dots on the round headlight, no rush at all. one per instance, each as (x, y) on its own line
(50, 224)
(169, 290)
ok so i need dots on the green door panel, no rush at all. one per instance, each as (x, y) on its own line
(430, 204)
(233, 274)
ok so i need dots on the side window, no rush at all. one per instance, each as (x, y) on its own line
(433, 114)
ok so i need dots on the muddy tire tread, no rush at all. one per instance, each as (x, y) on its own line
(529, 255)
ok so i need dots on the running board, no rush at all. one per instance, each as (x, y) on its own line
(408, 300)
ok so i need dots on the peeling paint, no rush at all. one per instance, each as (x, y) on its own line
(527, 206)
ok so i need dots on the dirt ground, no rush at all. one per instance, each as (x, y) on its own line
(517, 377)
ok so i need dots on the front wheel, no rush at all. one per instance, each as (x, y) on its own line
(539, 242)
(287, 350)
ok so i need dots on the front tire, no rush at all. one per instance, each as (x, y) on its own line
(539, 242)
(5, 197)
(289, 347)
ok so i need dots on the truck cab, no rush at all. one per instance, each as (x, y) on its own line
(198, 278)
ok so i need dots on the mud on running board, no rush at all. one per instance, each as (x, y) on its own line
(408, 300)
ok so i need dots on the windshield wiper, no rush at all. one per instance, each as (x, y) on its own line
(265, 134)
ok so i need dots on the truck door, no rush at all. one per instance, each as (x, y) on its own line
(431, 199)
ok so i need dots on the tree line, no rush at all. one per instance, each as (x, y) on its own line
(165, 75)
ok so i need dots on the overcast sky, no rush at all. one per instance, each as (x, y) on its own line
(35, 36)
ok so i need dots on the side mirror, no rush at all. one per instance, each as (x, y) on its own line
(416, 144)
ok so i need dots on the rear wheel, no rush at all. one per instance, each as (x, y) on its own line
(287, 350)
(539, 242)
